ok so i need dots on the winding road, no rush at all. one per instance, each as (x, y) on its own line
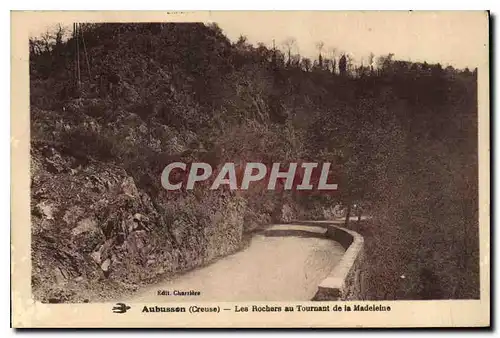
(282, 263)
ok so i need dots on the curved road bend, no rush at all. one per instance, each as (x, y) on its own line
(282, 263)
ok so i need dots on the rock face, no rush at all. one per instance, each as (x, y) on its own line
(101, 222)
(226, 235)
(95, 234)
(287, 214)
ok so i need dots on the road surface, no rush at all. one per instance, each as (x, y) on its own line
(282, 263)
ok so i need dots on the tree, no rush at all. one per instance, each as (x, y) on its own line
(350, 63)
(58, 37)
(343, 65)
(295, 62)
(371, 62)
(384, 62)
(36, 47)
(50, 40)
(319, 46)
(332, 54)
(242, 43)
(289, 44)
(263, 53)
(306, 64)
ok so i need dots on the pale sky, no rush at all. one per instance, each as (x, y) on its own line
(450, 38)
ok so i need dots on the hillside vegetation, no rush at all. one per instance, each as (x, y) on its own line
(402, 138)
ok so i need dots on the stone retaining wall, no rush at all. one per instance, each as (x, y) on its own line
(345, 282)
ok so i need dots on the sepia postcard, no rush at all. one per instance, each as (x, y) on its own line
(242, 169)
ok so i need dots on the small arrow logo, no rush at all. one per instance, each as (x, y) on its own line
(120, 308)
